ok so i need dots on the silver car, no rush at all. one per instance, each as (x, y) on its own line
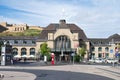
(99, 60)
(111, 60)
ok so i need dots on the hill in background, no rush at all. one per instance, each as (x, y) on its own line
(29, 32)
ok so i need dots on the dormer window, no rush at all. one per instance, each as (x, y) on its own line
(16, 42)
(33, 42)
(24, 42)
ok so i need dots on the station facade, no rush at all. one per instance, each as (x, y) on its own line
(64, 39)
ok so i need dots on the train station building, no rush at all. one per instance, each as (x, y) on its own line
(64, 39)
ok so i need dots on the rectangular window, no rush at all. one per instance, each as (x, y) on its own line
(106, 55)
(100, 55)
(93, 55)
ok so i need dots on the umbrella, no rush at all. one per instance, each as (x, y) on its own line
(17, 56)
(24, 55)
(32, 56)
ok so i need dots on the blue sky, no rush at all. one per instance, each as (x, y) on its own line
(98, 18)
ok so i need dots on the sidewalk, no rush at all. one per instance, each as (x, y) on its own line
(13, 75)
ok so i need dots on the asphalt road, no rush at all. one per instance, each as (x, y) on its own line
(59, 75)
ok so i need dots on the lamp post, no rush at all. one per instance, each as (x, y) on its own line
(73, 54)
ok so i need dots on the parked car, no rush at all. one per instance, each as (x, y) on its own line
(92, 60)
(111, 60)
(99, 60)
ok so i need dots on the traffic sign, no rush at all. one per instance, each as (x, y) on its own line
(111, 51)
(73, 54)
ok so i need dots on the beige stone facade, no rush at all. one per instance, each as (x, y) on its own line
(18, 27)
(63, 39)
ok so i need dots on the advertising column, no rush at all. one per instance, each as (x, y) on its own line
(52, 59)
(3, 56)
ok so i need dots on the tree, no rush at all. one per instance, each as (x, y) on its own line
(45, 50)
(82, 52)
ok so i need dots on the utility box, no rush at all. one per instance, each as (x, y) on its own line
(6, 54)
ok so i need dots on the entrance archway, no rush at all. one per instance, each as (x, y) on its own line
(62, 48)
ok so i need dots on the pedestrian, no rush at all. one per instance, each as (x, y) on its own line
(25, 59)
(12, 61)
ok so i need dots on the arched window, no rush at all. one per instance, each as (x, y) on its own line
(15, 51)
(106, 49)
(62, 42)
(99, 49)
(93, 48)
(23, 51)
(32, 51)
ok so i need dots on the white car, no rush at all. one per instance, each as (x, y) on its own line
(92, 60)
(111, 60)
(99, 60)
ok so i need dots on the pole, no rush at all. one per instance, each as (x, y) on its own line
(113, 61)
(73, 59)
(113, 64)
(3, 61)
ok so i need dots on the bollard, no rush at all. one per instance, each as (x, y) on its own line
(1, 76)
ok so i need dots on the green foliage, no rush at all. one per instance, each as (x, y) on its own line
(44, 49)
(32, 32)
(29, 32)
(49, 57)
(82, 52)
(77, 58)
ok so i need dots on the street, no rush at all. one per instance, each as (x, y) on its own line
(59, 75)
(63, 71)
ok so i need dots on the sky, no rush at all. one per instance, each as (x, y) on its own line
(97, 18)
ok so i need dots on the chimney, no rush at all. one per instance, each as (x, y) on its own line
(62, 21)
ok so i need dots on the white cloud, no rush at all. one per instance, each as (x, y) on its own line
(10, 20)
(102, 17)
